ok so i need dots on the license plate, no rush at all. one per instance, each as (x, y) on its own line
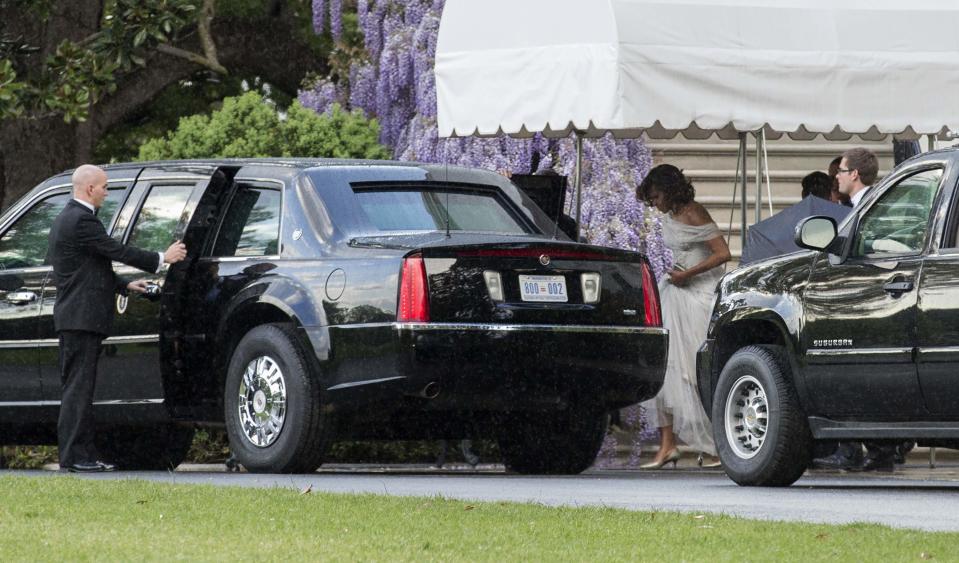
(543, 288)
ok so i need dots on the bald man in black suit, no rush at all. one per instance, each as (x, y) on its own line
(81, 253)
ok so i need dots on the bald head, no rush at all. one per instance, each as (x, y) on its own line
(90, 184)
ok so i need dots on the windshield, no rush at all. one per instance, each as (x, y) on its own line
(429, 208)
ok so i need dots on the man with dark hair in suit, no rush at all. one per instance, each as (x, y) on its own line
(81, 253)
(857, 172)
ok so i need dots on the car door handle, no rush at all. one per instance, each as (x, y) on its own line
(898, 286)
(21, 297)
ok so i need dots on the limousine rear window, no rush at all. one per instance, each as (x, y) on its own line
(409, 207)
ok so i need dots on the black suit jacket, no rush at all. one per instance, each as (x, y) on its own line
(81, 253)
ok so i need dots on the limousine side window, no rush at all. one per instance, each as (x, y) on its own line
(24, 244)
(251, 226)
(159, 216)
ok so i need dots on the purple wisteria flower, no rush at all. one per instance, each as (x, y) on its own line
(319, 15)
(320, 98)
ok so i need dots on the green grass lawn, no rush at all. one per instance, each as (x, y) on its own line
(68, 519)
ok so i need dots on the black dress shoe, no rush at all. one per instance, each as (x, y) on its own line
(885, 464)
(90, 467)
(837, 461)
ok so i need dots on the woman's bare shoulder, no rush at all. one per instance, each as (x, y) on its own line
(697, 215)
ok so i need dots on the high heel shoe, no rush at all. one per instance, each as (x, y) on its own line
(672, 457)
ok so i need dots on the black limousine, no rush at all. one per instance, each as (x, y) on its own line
(324, 300)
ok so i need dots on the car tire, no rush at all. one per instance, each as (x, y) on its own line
(552, 443)
(770, 451)
(279, 425)
(145, 449)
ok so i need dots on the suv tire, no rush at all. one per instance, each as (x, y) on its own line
(145, 449)
(760, 430)
(558, 443)
(273, 403)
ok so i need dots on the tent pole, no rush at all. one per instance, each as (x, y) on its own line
(579, 180)
(742, 202)
(769, 184)
(759, 175)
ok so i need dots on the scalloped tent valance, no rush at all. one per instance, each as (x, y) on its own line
(664, 67)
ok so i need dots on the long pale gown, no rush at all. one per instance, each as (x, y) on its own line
(686, 311)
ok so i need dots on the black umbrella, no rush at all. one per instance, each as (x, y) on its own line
(774, 236)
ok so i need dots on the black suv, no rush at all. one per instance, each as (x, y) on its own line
(854, 339)
(326, 300)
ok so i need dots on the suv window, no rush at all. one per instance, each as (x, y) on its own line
(159, 217)
(251, 226)
(425, 209)
(24, 245)
(897, 222)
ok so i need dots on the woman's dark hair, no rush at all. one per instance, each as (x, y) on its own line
(669, 180)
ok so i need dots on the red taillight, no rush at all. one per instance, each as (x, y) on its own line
(414, 301)
(651, 298)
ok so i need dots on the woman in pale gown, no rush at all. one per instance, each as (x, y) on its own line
(686, 297)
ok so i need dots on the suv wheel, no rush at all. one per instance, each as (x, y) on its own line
(273, 404)
(147, 449)
(563, 442)
(758, 426)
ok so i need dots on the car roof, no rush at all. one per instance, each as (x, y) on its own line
(301, 163)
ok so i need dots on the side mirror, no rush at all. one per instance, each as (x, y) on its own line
(815, 233)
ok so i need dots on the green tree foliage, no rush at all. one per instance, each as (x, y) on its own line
(81, 72)
(202, 92)
(10, 89)
(249, 126)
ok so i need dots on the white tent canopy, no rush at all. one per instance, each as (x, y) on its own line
(662, 67)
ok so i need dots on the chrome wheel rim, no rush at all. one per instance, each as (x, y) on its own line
(262, 401)
(747, 417)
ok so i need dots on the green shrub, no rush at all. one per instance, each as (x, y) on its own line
(249, 126)
(211, 446)
(27, 457)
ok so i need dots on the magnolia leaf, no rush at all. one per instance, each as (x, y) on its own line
(140, 37)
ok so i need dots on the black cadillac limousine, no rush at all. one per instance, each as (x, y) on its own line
(324, 300)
